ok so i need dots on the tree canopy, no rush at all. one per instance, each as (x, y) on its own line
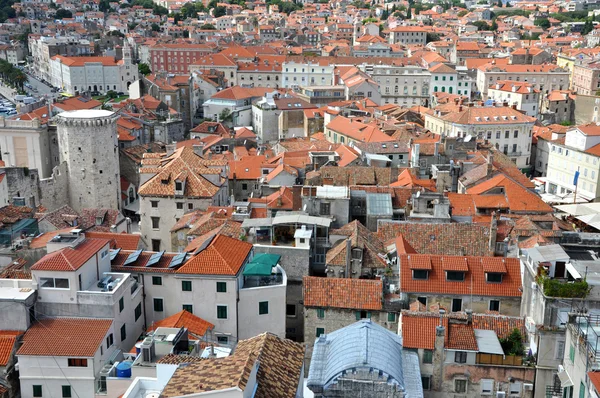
(61, 13)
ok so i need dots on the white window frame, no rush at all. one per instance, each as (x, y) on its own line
(484, 383)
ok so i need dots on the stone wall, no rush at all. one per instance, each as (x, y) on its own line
(363, 383)
(55, 190)
(24, 183)
(509, 306)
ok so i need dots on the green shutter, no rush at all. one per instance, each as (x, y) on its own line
(121, 304)
(37, 391)
(138, 311)
(391, 317)
(188, 307)
(572, 353)
(66, 391)
(158, 305)
(357, 315)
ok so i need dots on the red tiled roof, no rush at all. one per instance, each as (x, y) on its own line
(462, 337)
(121, 241)
(475, 281)
(224, 256)
(359, 294)
(595, 379)
(8, 338)
(195, 325)
(76, 337)
(70, 259)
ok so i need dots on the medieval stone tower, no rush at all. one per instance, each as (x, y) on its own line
(88, 145)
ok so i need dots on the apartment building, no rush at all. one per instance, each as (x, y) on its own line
(176, 57)
(586, 77)
(276, 117)
(312, 73)
(44, 48)
(579, 155)
(503, 126)
(446, 78)
(545, 78)
(400, 84)
(521, 94)
(172, 184)
(408, 35)
(219, 283)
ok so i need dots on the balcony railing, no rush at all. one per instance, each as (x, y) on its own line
(503, 360)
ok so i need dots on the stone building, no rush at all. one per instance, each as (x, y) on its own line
(461, 354)
(89, 148)
(457, 283)
(586, 78)
(333, 303)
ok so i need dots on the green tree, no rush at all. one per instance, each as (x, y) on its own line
(513, 343)
(384, 15)
(481, 25)
(225, 115)
(462, 13)
(587, 27)
(494, 26)
(432, 37)
(155, 27)
(219, 11)
(144, 69)
(61, 13)
(543, 23)
(500, 4)
(159, 10)
(104, 5)
(409, 10)
(208, 26)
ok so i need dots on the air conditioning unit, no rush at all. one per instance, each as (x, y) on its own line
(528, 387)
(113, 284)
(501, 394)
(530, 325)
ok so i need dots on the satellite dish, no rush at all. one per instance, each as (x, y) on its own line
(468, 138)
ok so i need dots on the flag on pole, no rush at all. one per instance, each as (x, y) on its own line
(576, 177)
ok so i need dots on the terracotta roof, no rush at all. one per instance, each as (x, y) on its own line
(73, 337)
(279, 372)
(475, 281)
(8, 339)
(224, 256)
(119, 241)
(350, 293)
(81, 61)
(357, 130)
(70, 259)
(595, 379)
(448, 239)
(519, 198)
(360, 238)
(247, 168)
(194, 324)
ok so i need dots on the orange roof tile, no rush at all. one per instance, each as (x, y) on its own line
(475, 281)
(224, 256)
(194, 324)
(70, 259)
(8, 339)
(360, 294)
(76, 337)
(120, 241)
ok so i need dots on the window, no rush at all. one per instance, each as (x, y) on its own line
(487, 386)
(221, 312)
(66, 391)
(460, 357)
(221, 287)
(155, 222)
(420, 274)
(391, 317)
(263, 308)
(178, 186)
(123, 333)
(426, 382)
(190, 206)
(320, 313)
(559, 350)
(427, 356)
(109, 341)
(581, 389)
(244, 187)
(494, 277)
(155, 245)
(37, 391)
(157, 280)
(506, 134)
(188, 307)
(455, 276)
(158, 305)
(456, 305)
(138, 311)
(54, 283)
(222, 339)
(325, 209)
(77, 362)
(319, 332)
(516, 134)
(363, 315)
(494, 305)
(186, 286)
(154, 203)
(179, 205)
(497, 135)
(460, 386)
(121, 304)
(290, 310)
(422, 300)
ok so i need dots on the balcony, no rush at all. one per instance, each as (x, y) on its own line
(501, 360)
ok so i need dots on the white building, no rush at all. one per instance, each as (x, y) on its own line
(522, 94)
(79, 74)
(408, 35)
(545, 78)
(580, 153)
(62, 357)
(74, 279)
(310, 73)
(400, 84)
(183, 183)
(216, 284)
(507, 128)
(447, 79)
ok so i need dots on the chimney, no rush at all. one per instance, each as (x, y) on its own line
(438, 354)
(348, 258)
(505, 103)
(198, 149)
(170, 148)
(514, 106)
(493, 233)
(460, 108)
(469, 313)
(490, 164)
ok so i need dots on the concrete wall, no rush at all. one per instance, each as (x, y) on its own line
(25, 144)
(339, 209)
(15, 314)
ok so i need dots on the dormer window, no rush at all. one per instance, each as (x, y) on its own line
(420, 274)
(99, 220)
(455, 276)
(493, 277)
(178, 186)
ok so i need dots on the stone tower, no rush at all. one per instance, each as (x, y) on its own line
(88, 144)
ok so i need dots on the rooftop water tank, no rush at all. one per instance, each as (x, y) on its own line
(124, 369)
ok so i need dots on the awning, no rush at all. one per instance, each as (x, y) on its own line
(262, 264)
(574, 273)
(487, 342)
(565, 379)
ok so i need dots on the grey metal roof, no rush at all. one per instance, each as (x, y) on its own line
(379, 204)
(547, 253)
(286, 218)
(364, 345)
(487, 342)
